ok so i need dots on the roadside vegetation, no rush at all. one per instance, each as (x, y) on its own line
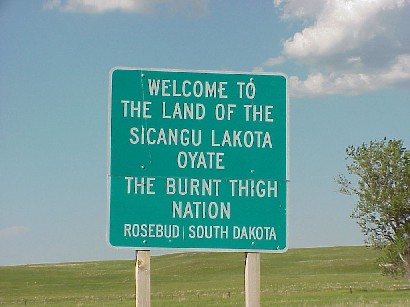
(379, 178)
(337, 276)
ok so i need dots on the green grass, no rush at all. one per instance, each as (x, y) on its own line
(338, 276)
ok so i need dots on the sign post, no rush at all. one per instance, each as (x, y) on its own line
(142, 279)
(252, 279)
(197, 160)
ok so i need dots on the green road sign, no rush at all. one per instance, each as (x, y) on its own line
(197, 160)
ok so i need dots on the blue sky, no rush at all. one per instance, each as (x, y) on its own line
(348, 66)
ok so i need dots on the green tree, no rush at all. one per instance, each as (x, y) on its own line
(379, 176)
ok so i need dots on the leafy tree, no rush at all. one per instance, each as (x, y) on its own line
(379, 176)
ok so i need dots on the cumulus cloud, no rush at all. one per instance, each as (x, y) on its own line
(13, 231)
(341, 26)
(348, 46)
(352, 83)
(191, 7)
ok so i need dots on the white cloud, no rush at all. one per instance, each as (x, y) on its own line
(101, 6)
(349, 46)
(399, 72)
(191, 7)
(274, 61)
(51, 4)
(299, 8)
(352, 83)
(13, 231)
(339, 27)
(258, 69)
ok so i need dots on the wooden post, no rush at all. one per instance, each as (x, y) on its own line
(142, 279)
(252, 279)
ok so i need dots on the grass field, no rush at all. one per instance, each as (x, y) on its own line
(338, 276)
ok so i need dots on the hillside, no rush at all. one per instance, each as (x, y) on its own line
(338, 276)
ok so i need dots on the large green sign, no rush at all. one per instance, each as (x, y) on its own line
(197, 160)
